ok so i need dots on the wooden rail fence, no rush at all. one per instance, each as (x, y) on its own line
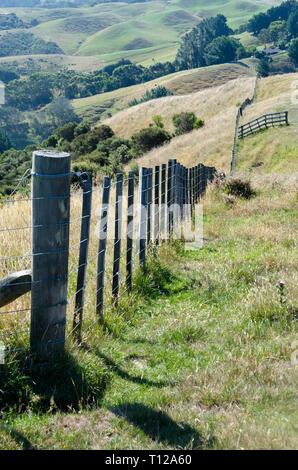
(263, 122)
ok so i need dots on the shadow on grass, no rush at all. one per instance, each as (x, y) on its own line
(161, 428)
(17, 436)
(126, 376)
(61, 384)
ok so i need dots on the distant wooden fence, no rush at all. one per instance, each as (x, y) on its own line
(241, 108)
(165, 200)
(263, 122)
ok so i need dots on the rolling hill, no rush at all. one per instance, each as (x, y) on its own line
(212, 144)
(143, 32)
(179, 83)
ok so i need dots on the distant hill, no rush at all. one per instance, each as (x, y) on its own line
(23, 42)
(143, 32)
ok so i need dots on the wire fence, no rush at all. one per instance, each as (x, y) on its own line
(68, 256)
(241, 108)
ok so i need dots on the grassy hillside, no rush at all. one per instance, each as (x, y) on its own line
(141, 32)
(199, 356)
(179, 83)
(211, 144)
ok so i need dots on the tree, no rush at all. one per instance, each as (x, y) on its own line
(263, 68)
(292, 24)
(148, 138)
(61, 112)
(5, 143)
(193, 44)
(221, 50)
(186, 122)
(293, 50)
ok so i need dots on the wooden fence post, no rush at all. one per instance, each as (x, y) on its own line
(149, 204)
(83, 257)
(129, 237)
(101, 259)
(169, 197)
(163, 201)
(117, 239)
(142, 203)
(50, 250)
(156, 205)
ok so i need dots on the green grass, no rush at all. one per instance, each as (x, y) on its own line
(199, 357)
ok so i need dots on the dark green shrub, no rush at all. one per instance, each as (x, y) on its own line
(82, 128)
(186, 122)
(103, 132)
(147, 139)
(67, 131)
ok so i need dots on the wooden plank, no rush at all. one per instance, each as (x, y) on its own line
(101, 257)
(14, 286)
(83, 256)
(50, 249)
(117, 237)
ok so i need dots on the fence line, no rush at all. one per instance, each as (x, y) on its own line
(241, 108)
(68, 278)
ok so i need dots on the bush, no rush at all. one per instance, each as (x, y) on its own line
(157, 119)
(239, 188)
(103, 132)
(67, 131)
(186, 122)
(147, 139)
(82, 128)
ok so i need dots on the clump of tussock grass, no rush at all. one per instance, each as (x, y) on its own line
(239, 188)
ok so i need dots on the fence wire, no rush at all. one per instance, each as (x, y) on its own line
(175, 184)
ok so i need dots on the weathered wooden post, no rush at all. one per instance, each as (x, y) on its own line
(101, 258)
(117, 239)
(142, 203)
(129, 235)
(169, 197)
(156, 205)
(149, 204)
(163, 201)
(50, 250)
(83, 257)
